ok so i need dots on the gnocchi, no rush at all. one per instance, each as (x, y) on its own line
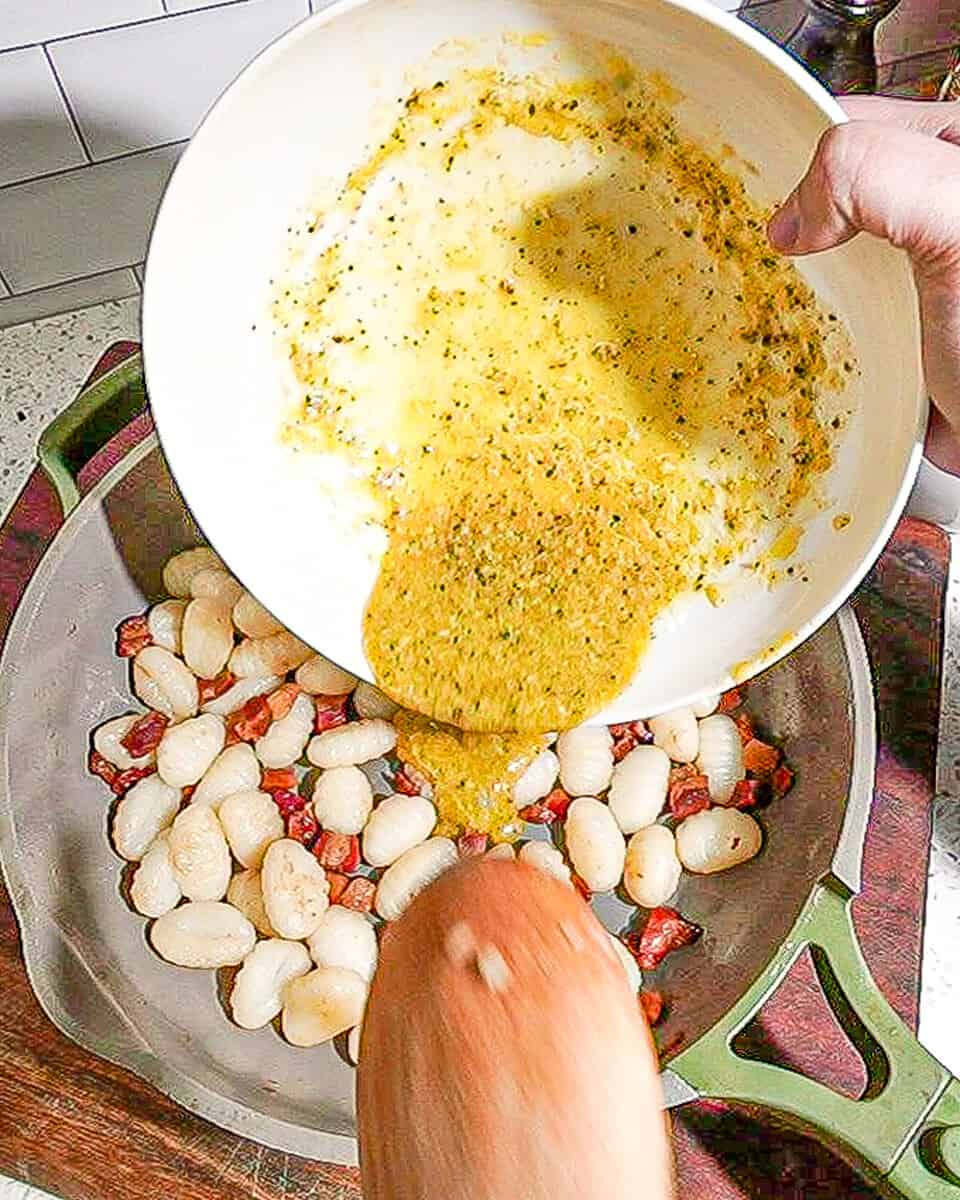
(233, 770)
(371, 703)
(546, 858)
(396, 825)
(344, 939)
(586, 760)
(251, 822)
(199, 854)
(720, 757)
(284, 741)
(652, 869)
(350, 745)
(203, 933)
(503, 851)
(295, 889)
(181, 568)
(246, 895)
(164, 621)
(206, 637)
(252, 619)
(319, 677)
(594, 844)
(639, 788)
(162, 681)
(154, 889)
(322, 1004)
(537, 780)
(343, 800)
(213, 583)
(275, 654)
(677, 733)
(261, 982)
(717, 839)
(144, 811)
(406, 878)
(187, 750)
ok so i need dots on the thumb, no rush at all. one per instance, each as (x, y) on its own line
(903, 186)
(891, 182)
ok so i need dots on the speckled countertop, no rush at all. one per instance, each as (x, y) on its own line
(42, 364)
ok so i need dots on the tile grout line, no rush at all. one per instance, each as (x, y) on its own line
(160, 16)
(164, 15)
(48, 287)
(94, 162)
(69, 107)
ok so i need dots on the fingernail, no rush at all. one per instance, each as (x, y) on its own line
(784, 228)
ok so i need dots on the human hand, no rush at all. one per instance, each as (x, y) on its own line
(894, 172)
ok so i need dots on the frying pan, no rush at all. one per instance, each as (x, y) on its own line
(301, 114)
(97, 980)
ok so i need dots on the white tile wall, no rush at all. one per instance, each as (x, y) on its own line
(67, 297)
(96, 97)
(37, 133)
(26, 21)
(82, 222)
(142, 85)
(179, 6)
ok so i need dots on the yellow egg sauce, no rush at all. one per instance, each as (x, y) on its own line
(742, 671)
(786, 542)
(471, 774)
(549, 329)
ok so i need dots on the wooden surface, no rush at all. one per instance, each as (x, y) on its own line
(86, 1130)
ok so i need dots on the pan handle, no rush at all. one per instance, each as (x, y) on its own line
(87, 425)
(904, 1133)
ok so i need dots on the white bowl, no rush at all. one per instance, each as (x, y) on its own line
(302, 112)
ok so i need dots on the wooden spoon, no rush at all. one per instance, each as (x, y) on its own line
(504, 1056)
